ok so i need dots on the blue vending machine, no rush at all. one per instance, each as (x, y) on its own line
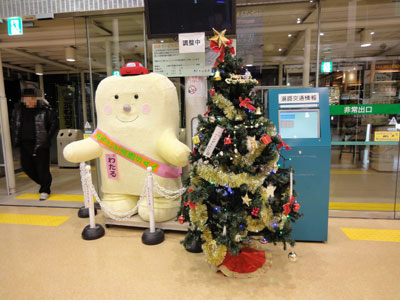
(302, 118)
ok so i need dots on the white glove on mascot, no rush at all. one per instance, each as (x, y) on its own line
(138, 119)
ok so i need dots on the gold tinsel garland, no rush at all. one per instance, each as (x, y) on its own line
(218, 176)
(199, 215)
(215, 253)
(249, 158)
(227, 106)
(254, 225)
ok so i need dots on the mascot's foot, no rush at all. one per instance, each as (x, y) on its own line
(164, 209)
(119, 203)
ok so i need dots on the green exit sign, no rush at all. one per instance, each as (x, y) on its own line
(15, 26)
(326, 67)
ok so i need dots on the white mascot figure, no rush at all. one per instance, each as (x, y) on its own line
(137, 128)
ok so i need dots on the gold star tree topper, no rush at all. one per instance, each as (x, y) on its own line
(219, 37)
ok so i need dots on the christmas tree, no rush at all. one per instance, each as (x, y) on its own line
(237, 196)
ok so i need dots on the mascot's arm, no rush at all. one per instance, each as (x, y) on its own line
(83, 150)
(172, 150)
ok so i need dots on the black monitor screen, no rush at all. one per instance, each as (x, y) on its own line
(167, 18)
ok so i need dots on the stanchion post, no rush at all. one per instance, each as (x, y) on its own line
(153, 235)
(84, 210)
(92, 231)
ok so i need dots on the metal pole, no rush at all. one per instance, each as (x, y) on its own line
(115, 31)
(318, 44)
(108, 58)
(41, 84)
(144, 41)
(92, 220)
(371, 80)
(90, 74)
(150, 199)
(280, 76)
(83, 93)
(93, 107)
(5, 136)
(307, 54)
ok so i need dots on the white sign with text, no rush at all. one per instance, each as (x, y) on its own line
(191, 42)
(299, 98)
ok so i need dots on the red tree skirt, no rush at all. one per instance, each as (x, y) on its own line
(247, 263)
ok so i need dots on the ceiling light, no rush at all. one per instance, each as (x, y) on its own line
(311, 1)
(298, 20)
(372, 33)
(321, 34)
(366, 38)
(38, 69)
(162, 41)
(289, 35)
(280, 49)
(70, 54)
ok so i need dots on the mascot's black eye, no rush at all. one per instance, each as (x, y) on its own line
(116, 96)
(136, 96)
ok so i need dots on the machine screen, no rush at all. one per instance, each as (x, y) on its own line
(299, 124)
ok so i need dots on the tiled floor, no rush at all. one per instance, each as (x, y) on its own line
(54, 262)
(44, 257)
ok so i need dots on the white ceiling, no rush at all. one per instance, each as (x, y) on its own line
(264, 28)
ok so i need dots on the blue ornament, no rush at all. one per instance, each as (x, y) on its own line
(217, 209)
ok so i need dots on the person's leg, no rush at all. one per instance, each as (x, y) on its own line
(28, 163)
(42, 160)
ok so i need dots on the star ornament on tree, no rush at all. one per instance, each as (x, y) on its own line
(219, 38)
(246, 200)
(271, 191)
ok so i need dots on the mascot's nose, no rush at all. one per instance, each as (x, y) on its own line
(127, 107)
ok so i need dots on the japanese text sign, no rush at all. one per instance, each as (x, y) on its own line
(298, 98)
(191, 42)
(111, 164)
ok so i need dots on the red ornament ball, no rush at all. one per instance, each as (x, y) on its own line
(190, 190)
(181, 219)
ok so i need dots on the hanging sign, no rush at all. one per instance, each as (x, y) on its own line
(326, 67)
(213, 141)
(191, 42)
(15, 26)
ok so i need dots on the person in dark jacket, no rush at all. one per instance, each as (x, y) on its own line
(34, 124)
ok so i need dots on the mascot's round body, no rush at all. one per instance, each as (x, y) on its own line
(138, 119)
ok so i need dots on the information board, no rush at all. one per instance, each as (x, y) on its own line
(169, 62)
